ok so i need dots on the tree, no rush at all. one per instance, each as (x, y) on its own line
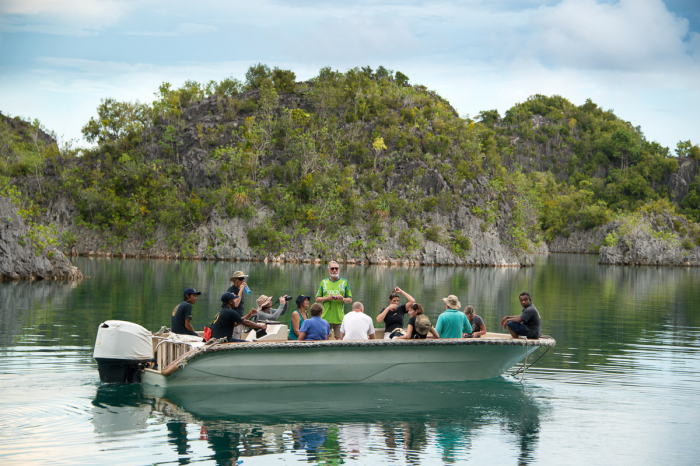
(401, 78)
(378, 146)
(285, 80)
(624, 146)
(116, 120)
(255, 76)
(489, 117)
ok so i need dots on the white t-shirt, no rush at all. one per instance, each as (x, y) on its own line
(357, 326)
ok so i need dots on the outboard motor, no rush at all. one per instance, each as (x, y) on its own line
(120, 348)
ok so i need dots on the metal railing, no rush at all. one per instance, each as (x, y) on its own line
(167, 351)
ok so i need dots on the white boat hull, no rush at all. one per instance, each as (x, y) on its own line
(293, 363)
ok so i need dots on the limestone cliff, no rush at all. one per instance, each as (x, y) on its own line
(21, 259)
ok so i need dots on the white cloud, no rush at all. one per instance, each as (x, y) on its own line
(86, 9)
(183, 29)
(65, 17)
(629, 35)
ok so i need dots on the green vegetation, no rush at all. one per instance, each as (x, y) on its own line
(345, 152)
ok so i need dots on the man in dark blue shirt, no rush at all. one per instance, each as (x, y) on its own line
(181, 321)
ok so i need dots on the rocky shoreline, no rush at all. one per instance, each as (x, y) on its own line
(226, 239)
(21, 259)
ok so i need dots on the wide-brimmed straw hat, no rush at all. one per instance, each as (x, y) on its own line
(422, 324)
(263, 300)
(237, 274)
(452, 302)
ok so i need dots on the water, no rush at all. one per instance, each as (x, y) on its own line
(622, 386)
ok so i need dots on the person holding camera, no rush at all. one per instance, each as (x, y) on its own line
(265, 305)
(392, 315)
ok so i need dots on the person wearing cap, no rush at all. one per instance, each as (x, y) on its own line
(265, 304)
(298, 316)
(315, 328)
(357, 325)
(181, 321)
(227, 319)
(418, 325)
(452, 323)
(238, 284)
(333, 293)
(392, 315)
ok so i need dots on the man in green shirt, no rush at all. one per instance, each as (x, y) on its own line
(333, 293)
(452, 323)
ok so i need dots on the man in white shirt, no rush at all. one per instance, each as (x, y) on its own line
(357, 325)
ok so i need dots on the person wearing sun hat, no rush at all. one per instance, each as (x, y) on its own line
(452, 323)
(238, 284)
(265, 305)
(181, 321)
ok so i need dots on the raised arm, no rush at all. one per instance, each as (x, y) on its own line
(276, 314)
(407, 296)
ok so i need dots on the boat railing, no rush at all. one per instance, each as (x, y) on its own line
(166, 351)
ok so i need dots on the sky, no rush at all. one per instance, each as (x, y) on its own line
(640, 58)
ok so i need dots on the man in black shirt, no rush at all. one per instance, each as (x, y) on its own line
(528, 323)
(181, 321)
(237, 288)
(228, 318)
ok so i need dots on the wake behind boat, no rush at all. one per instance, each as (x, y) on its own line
(127, 352)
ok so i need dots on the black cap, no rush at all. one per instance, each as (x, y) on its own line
(191, 291)
(301, 299)
(226, 297)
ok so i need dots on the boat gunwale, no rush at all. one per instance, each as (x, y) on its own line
(293, 344)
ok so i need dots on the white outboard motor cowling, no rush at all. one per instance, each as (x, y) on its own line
(119, 349)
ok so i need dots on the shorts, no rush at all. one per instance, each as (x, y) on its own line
(522, 330)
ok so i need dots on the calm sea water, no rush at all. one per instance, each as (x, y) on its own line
(622, 386)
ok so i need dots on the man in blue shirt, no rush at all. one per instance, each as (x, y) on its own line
(452, 323)
(315, 328)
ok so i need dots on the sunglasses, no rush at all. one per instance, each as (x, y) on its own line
(335, 268)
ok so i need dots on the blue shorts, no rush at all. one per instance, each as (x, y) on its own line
(519, 329)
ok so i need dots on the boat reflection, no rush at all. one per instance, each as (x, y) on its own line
(393, 422)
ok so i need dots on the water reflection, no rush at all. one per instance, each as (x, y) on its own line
(410, 423)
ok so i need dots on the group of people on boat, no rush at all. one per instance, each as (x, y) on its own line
(326, 316)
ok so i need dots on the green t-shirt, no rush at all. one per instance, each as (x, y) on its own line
(334, 311)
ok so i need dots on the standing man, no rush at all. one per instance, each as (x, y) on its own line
(227, 319)
(181, 321)
(333, 293)
(528, 323)
(238, 284)
(452, 323)
(357, 325)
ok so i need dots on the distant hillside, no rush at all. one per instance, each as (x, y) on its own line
(360, 166)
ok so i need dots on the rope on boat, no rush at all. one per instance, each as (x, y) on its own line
(525, 366)
(162, 331)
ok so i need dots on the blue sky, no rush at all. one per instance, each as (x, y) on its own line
(58, 58)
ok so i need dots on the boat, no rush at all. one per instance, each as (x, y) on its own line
(127, 352)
